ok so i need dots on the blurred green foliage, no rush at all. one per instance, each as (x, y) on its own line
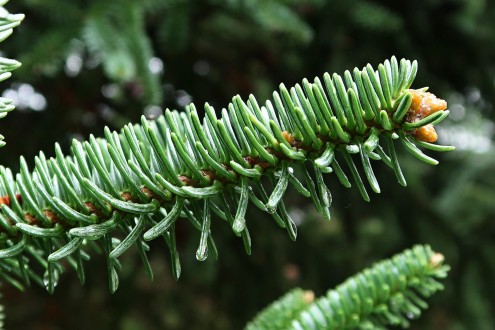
(97, 63)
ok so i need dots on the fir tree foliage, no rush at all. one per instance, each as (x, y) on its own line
(7, 23)
(390, 293)
(107, 33)
(131, 187)
(115, 35)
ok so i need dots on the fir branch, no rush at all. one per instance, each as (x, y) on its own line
(391, 292)
(138, 183)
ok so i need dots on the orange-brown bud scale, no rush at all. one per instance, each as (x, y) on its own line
(436, 260)
(126, 196)
(93, 209)
(426, 133)
(31, 219)
(52, 216)
(308, 296)
(424, 104)
(288, 137)
(188, 181)
(5, 200)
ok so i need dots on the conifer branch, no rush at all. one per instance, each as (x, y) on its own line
(138, 183)
(131, 187)
(390, 293)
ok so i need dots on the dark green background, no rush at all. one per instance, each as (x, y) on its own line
(212, 50)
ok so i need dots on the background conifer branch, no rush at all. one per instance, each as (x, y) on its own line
(390, 293)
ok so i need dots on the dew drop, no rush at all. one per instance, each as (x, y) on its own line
(50, 278)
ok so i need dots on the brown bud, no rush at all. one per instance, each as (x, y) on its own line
(424, 104)
(5, 200)
(126, 196)
(308, 296)
(52, 216)
(288, 137)
(426, 133)
(436, 260)
(31, 219)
